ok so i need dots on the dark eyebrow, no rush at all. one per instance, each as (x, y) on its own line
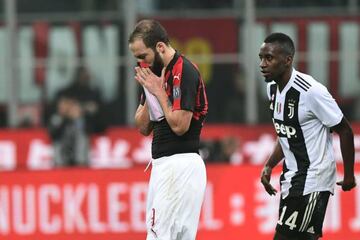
(141, 56)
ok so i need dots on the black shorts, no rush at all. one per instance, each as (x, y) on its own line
(302, 216)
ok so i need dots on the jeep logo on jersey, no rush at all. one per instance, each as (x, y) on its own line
(284, 131)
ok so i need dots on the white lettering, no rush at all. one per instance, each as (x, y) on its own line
(207, 219)
(284, 130)
(355, 222)
(265, 212)
(40, 155)
(258, 151)
(142, 154)
(7, 155)
(4, 210)
(290, 131)
(237, 203)
(115, 207)
(105, 156)
(48, 194)
(95, 223)
(73, 199)
(23, 214)
(138, 206)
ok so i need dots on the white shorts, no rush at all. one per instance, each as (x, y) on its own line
(176, 192)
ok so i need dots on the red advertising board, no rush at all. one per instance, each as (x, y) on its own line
(125, 147)
(110, 204)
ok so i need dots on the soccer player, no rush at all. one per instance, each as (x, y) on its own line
(304, 115)
(178, 177)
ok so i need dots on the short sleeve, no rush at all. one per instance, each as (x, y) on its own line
(185, 84)
(324, 106)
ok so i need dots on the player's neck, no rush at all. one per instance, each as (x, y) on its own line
(168, 56)
(284, 80)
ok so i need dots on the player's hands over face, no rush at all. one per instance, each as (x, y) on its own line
(265, 180)
(149, 80)
(348, 183)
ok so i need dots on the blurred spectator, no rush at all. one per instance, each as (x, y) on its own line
(230, 146)
(224, 150)
(234, 108)
(75, 116)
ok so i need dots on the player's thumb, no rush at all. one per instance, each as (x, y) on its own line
(163, 72)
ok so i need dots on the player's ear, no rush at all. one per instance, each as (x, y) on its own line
(160, 47)
(288, 60)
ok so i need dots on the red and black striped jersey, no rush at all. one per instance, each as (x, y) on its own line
(186, 91)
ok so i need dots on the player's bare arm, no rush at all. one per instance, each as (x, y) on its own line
(347, 150)
(276, 156)
(142, 120)
(179, 120)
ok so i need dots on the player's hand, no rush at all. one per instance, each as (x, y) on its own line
(149, 80)
(348, 183)
(265, 180)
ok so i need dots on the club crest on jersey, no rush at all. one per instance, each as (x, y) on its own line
(291, 106)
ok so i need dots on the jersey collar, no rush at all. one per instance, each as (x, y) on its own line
(173, 61)
(289, 83)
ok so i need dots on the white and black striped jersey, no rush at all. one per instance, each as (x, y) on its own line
(302, 114)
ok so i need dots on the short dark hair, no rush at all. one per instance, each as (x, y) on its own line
(283, 40)
(151, 32)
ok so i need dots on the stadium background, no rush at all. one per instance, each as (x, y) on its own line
(43, 42)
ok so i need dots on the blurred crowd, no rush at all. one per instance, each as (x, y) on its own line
(79, 110)
(72, 117)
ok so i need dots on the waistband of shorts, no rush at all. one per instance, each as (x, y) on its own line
(173, 157)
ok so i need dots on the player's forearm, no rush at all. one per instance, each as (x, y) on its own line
(276, 156)
(142, 120)
(347, 151)
(178, 121)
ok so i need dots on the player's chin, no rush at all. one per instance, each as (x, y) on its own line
(267, 79)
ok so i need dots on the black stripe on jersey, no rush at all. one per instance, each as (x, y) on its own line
(302, 83)
(302, 86)
(296, 142)
(298, 77)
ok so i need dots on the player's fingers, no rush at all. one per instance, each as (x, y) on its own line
(147, 71)
(142, 73)
(139, 79)
(139, 73)
(348, 187)
(270, 189)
